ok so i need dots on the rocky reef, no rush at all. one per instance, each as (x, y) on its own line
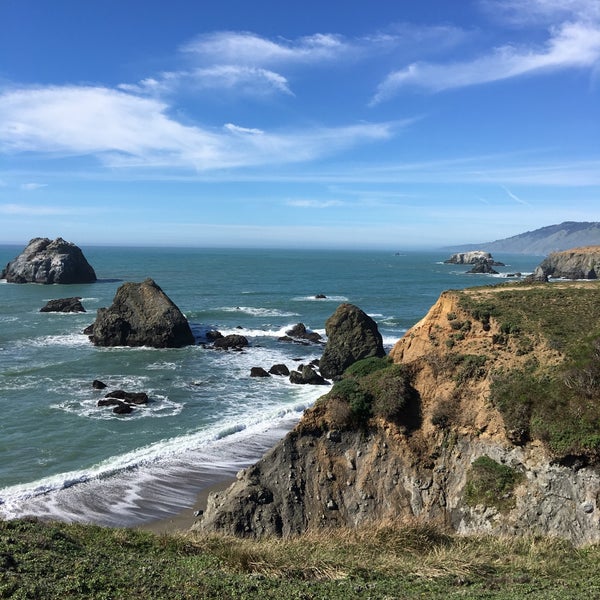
(47, 261)
(483, 419)
(141, 315)
(577, 263)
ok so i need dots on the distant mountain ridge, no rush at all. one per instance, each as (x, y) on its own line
(553, 238)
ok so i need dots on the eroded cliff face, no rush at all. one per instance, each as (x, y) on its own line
(326, 473)
(577, 263)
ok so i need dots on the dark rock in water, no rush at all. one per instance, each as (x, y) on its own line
(352, 335)
(258, 372)
(320, 296)
(300, 332)
(98, 385)
(141, 315)
(129, 397)
(517, 274)
(47, 261)
(307, 376)
(123, 408)
(279, 369)
(483, 266)
(213, 335)
(232, 341)
(66, 305)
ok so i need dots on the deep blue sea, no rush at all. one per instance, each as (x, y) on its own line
(63, 457)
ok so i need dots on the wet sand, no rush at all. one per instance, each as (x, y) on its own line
(183, 520)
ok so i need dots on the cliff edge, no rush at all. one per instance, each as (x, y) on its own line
(484, 418)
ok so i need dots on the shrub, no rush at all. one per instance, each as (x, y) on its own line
(491, 484)
(366, 366)
(349, 389)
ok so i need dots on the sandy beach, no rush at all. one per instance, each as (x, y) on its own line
(183, 520)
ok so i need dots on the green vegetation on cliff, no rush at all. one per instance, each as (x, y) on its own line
(556, 401)
(56, 561)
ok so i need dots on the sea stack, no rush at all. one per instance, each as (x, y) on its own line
(141, 315)
(352, 335)
(49, 261)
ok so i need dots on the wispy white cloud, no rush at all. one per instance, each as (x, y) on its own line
(30, 187)
(572, 45)
(125, 130)
(33, 211)
(520, 13)
(305, 203)
(514, 197)
(246, 80)
(246, 48)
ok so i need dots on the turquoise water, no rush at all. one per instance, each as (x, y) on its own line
(64, 457)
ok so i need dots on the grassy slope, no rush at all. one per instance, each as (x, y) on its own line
(53, 560)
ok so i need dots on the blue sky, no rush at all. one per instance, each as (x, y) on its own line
(379, 124)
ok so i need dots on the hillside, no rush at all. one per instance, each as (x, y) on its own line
(485, 421)
(545, 240)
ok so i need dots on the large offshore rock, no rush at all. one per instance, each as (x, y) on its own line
(472, 258)
(47, 261)
(141, 315)
(351, 335)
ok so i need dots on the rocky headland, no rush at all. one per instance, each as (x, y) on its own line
(484, 418)
(141, 315)
(49, 261)
(577, 263)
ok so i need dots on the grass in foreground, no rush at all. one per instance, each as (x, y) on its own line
(53, 560)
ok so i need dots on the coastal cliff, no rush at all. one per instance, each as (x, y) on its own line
(483, 419)
(577, 263)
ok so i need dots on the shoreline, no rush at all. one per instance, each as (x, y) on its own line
(182, 521)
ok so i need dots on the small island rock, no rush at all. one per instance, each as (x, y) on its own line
(141, 315)
(47, 261)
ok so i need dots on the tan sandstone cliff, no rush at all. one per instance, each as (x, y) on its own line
(331, 471)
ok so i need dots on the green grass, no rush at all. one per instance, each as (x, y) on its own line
(53, 561)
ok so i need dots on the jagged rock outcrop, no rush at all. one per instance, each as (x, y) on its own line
(351, 336)
(472, 258)
(300, 332)
(334, 471)
(47, 261)
(483, 267)
(577, 263)
(141, 315)
(67, 305)
(307, 375)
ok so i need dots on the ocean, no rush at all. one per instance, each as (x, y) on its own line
(63, 457)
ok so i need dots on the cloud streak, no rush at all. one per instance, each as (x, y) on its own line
(570, 45)
(125, 130)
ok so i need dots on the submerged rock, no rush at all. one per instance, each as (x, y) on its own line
(141, 315)
(47, 261)
(352, 335)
